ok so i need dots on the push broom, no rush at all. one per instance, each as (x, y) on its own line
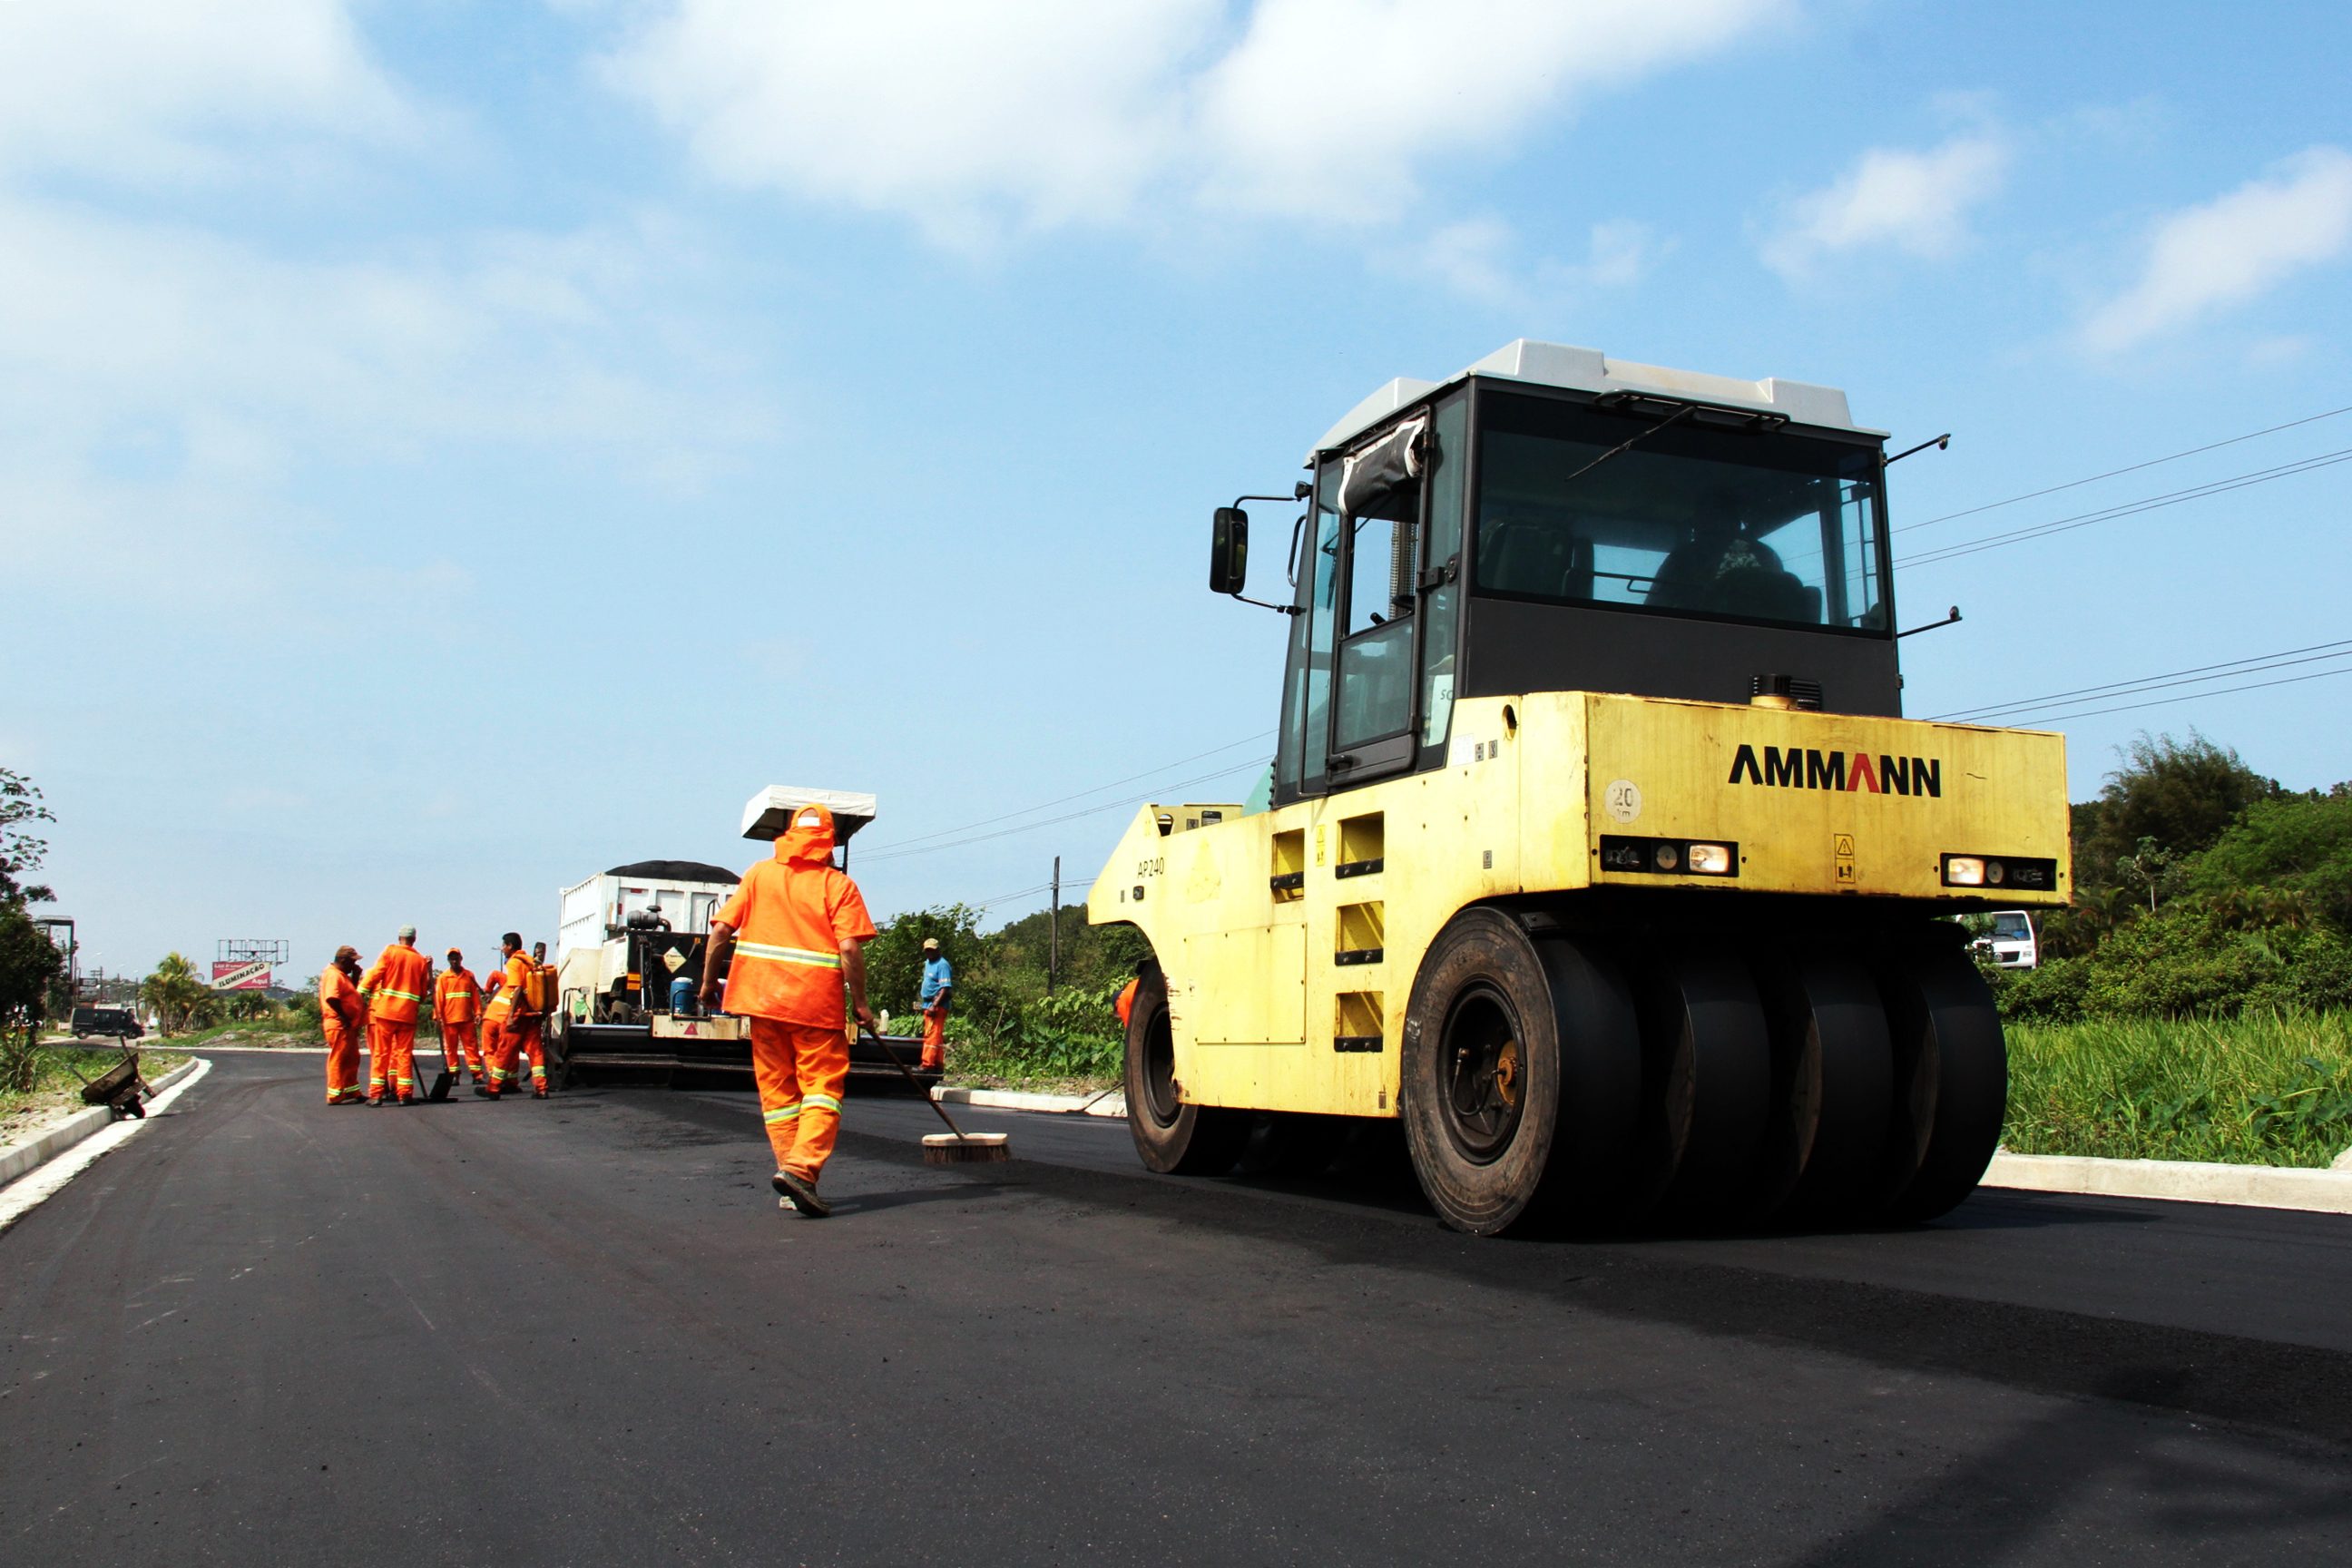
(955, 1146)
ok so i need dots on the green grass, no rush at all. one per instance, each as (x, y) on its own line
(2273, 1090)
(290, 1028)
(56, 1083)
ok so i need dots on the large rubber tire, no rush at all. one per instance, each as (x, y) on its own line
(1832, 1088)
(1706, 1083)
(1520, 1077)
(1954, 1079)
(1170, 1136)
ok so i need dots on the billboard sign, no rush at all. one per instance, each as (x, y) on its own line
(247, 976)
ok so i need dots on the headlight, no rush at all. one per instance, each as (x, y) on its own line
(2020, 873)
(1667, 856)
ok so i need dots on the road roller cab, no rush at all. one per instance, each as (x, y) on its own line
(1597, 847)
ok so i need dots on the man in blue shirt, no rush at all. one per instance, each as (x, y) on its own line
(939, 980)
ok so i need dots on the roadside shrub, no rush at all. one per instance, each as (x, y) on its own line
(2204, 956)
(2054, 994)
(1071, 1037)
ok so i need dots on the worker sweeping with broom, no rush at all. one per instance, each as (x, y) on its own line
(797, 927)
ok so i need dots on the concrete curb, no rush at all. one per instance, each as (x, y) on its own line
(258, 1050)
(1111, 1103)
(2174, 1181)
(34, 1152)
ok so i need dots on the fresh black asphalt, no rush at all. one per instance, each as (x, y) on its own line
(580, 1332)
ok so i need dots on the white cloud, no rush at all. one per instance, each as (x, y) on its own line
(1037, 111)
(1915, 202)
(169, 386)
(1477, 258)
(147, 90)
(1043, 113)
(2205, 258)
(1329, 108)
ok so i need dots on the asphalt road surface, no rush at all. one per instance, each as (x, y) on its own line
(580, 1332)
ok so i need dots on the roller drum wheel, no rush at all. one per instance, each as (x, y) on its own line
(1953, 1079)
(1832, 1087)
(1171, 1137)
(1706, 1083)
(1520, 1076)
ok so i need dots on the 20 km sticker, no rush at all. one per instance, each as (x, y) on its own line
(1623, 799)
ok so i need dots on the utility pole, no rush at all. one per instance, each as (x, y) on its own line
(1053, 929)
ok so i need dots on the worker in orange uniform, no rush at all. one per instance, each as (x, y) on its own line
(513, 1016)
(458, 1008)
(543, 973)
(803, 929)
(493, 1031)
(395, 990)
(343, 1017)
(1126, 1003)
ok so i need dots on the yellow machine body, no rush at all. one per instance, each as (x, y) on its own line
(1289, 939)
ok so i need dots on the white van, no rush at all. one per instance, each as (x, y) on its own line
(2012, 941)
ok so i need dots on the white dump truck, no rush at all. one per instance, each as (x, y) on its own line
(628, 938)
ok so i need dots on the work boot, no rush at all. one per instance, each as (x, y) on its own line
(481, 1093)
(801, 1194)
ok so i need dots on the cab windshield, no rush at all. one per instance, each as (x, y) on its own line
(1694, 517)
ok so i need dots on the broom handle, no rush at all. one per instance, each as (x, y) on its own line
(911, 1078)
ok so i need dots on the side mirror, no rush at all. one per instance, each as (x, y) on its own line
(1229, 551)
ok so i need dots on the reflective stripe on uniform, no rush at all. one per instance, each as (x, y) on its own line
(822, 1102)
(775, 954)
(403, 995)
(782, 1113)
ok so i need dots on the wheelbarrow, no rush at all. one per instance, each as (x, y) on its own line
(119, 1088)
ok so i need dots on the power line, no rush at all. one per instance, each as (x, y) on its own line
(2191, 696)
(1250, 766)
(1067, 886)
(2127, 508)
(906, 846)
(2233, 667)
(2113, 473)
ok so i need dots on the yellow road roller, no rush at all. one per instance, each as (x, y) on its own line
(1595, 847)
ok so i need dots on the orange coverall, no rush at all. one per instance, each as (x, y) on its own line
(513, 1022)
(791, 917)
(395, 991)
(343, 1018)
(536, 1046)
(457, 1007)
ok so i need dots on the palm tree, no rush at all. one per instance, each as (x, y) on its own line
(175, 993)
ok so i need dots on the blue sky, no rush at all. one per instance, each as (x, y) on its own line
(453, 448)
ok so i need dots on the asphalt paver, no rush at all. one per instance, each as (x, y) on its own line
(580, 1331)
